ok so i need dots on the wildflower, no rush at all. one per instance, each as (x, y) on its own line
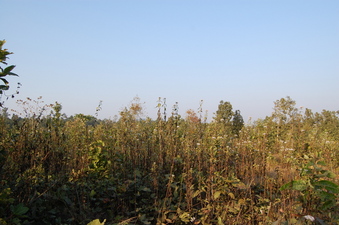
(309, 217)
(192, 219)
(198, 144)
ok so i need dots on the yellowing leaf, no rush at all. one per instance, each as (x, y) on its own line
(231, 195)
(220, 221)
(217, 194)
(196, 193)
(96, 222)
(169, 221)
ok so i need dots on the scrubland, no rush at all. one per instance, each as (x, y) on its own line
(176, 169)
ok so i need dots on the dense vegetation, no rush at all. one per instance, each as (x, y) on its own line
(171, 170)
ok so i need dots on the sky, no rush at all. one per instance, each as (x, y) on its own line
(249, 53)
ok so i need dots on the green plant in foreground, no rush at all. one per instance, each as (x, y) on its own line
(4, 72)
(316, 193)
(15, 214)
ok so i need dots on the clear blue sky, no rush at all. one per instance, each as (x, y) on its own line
(250, 53)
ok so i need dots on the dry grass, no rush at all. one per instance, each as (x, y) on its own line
(169, 171)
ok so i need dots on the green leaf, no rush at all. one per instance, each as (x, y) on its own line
(96, 222)
(4, 80)
(137, 173)
(67, 200)
(330, 174)
(321, 163)
(15, 221)
(324, 196)
(327, 204)
(7, 70)
(328, 185)
(4, 87)
(13, 74)
(19, 209)
(146, 189)
(286, 186)
(299, 185)
(92, 193)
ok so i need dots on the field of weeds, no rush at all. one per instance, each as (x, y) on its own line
(171, 170)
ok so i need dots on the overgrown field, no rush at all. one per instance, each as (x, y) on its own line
(172, 170)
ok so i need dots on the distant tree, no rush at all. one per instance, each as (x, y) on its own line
(309, 116)
(224, 113)
(328, 121)
(237, 122)
(136, 108)
(232, 122)
(192, 117)
(284, 110)
(223, 118)
(4, 72)
(88, 119)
